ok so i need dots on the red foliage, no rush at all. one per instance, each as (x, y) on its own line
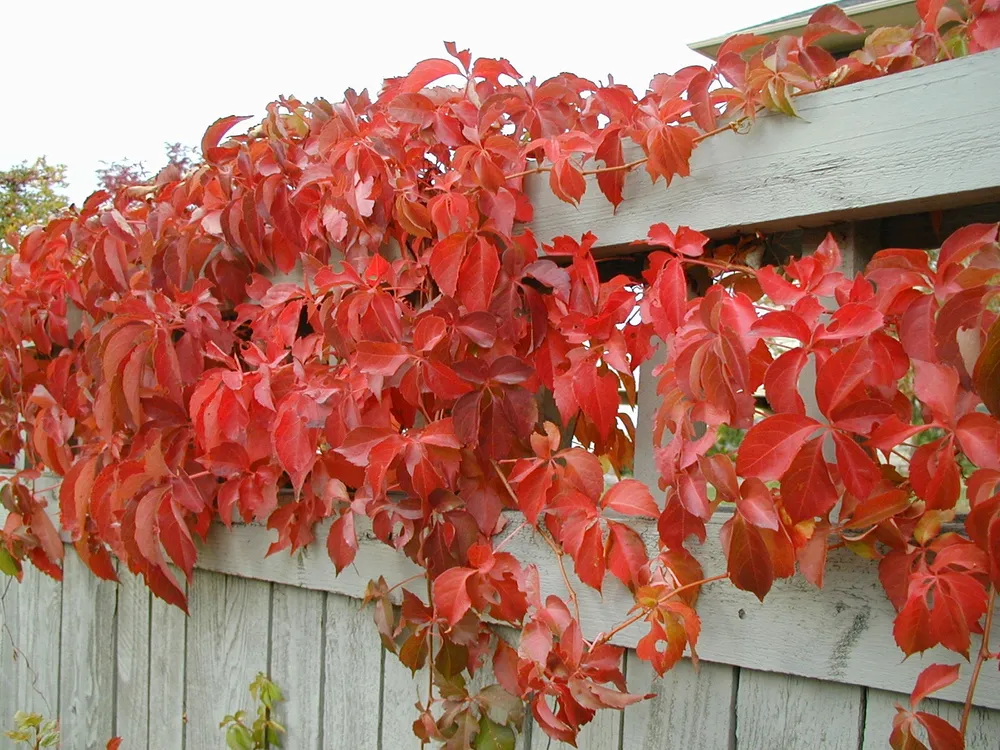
(432, 367)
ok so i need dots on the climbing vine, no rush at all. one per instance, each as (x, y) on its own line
(342, 315)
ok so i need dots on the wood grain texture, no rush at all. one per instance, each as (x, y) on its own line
(983, 731)
(400, 692)
(87, 656)
(352, 691)
(297, 663)
(854, 645)
(850, 156)
(29, 645)
(785, 712)
(226, 648)
(167, 649)
(132, 661)
(691, 710)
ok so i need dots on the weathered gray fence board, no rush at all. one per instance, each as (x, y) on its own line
(352, 692)
(227, 646)
(854, 646)
(29, 644)
(849, 157)
(132, 661)
(87, 655)
(691, 711)
(785, 712)
(167, 650)
(984, 724)
(297, 662)
(400, 693)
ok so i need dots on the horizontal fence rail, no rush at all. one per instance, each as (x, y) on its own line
(907, 142)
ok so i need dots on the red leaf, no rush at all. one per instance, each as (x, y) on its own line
(426, 72)
(756, 505)
(781, 382)
(964, 242)
(668, 148)
(747, 559)
(451, 594)
(844, 371)
(610, 152)
(937, 386)
(686, 241)
(668, 299)
(445, 262)
(626, 554)
(566, 181)
(941, 734)
(342, 541)
(979, 436)
(806, 488)
(933, 678)
(858, 471)
(769, 446)
(597, 394)
(293, 444)
(380, 357)
(985, 29)
(630, 497)
(215, 131)
(478, 276)
(588, 558)
(878, 508)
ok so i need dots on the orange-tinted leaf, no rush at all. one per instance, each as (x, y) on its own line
(630, 497)
(747, 560)
(933, 678)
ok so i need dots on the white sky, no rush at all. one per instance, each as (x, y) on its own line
(93, 81)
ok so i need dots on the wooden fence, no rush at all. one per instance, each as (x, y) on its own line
(806, 669)
(109, 659)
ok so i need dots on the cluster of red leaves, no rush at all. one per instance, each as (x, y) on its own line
(342, 316)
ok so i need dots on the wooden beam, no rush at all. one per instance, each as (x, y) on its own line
(914, 141)
(842, 633)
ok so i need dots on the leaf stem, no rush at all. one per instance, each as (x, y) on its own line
(411, 579)
(560, 555)
(984, 655)
(510, 536)
(605, 637)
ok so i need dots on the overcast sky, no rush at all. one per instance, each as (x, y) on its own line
(116, 79)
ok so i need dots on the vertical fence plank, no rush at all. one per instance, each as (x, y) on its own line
(780, 711)
(352, 698)
(132, 661)
(983, 731)
(87, 656)
(297, 663)
(691, 711)
(29, 645)
(167, 649)
(226, 648)
(400, 691)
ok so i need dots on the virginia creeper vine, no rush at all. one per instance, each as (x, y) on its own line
(432, 366)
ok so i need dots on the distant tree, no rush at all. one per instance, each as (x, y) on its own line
(123, 173)
(29, 194)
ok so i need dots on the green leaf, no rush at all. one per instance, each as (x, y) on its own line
(8, 565)
(493, 736)
(238, 738)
